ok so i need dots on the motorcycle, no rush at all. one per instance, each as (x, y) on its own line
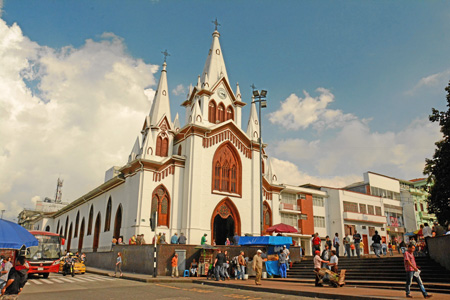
(68, 268)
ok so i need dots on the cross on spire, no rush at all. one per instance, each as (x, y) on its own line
(253, 86)
(165, 53)
(216, 23)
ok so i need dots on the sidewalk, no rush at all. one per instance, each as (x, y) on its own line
(140, 277)
(309, 290)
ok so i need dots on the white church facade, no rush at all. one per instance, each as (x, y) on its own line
(201, 178)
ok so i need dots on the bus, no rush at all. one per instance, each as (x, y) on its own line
(44, 258)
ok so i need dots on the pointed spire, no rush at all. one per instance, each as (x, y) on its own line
(135, 151)
(253, 125)
(176, 123)
(270, 175)
(205, 84)
(190, 91)
(197, 112)
(238, 92)
(215, 64)
(161, 103)
(199, 85)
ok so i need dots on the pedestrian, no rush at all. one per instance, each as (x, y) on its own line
(132, 240)
(162, 240)
(236, 238)
(257, 266)
(6, 266)
(226, 265)
(316, 242)
(347, 245)
(204, 240)
(427, 232)
(333, 264)
(402, 247)
(174, 239)
(138, 240)
(376, 239)
(17, 278)
(361, 248)
(182, 239)
(384, 247)
(352, 248)
(113, 242)
(336, 243)
(357, 242)
(227, 242)
(317, 264)
(325, 255)
(412, 271)
(175, 265)
(241, 265)
(328, 242)
(300, 250)
(118, 264)
(83, 257)
(282, 264)
(288, 254)
(391, 252)
(218, 265)
(439, 230)
(120, 241)
(194, 268)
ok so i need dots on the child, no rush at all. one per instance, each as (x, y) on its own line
(352, 247)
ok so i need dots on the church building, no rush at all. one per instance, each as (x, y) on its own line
(201, 178)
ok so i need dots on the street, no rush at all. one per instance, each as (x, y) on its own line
(91, 286)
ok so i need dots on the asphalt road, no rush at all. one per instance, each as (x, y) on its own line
(91, 286)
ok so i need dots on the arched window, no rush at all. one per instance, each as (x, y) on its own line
(162, 145)
(227, 170)
(212, 112)
(108, 215)
(47, 228)
(263, 167)
(230, 113)
(67, 226)
(267, 216)
(221, 113)
(77, 219)
(57, 227)
(91, 216)
(161, 204)
(179, 150)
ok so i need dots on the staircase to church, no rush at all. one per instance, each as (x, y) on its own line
(386, 272)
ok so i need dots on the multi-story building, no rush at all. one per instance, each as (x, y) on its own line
(414, 196)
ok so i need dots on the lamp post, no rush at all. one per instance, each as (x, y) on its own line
(261, 96)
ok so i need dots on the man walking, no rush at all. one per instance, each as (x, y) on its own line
(174, 239)
(336, 243)
(175, 265)
(412, 271)
(282, 264)
(257, 266)
(347, 242)
(288, 253)
(182, 239)
(204, 240)
(218, 265)
(376, 239)
(357, 241)
(241, 265)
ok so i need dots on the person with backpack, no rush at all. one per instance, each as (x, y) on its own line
(17, 277)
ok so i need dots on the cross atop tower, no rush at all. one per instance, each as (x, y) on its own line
(165, 53)
(216, 23)
(253, 86)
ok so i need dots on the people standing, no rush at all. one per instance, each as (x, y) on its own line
(204, 240)
(218, 265)
(6, 266)
(357, 242)
(227, 242)
(352, 248)
(328, 242)
(384, 247)
(226, 265)
(241, 265)
(194, 268)
(282, 264)
(257, 266)
(17, 278)
(317, 264)
(336, 243)
(174, 239)
(325, 255)
(333, 264)
(376, 239)
(412, 271)
(347, 245)
(236, 238)
(182, 239)
(162, 240)
(391, 252)
(118, 264)
(438, 229)
(316, 242)
(175, 265)
(288, 254)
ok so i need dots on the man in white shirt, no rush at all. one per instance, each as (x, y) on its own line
(427, 232)
(287, 252)
(336, 243)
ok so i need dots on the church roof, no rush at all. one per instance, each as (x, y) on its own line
(161, 103)
(215, 65)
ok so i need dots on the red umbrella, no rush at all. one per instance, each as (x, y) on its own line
(282, 228)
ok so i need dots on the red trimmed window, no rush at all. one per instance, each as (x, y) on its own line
(161, 204)
(227, 170)
(221, 113)
(212, 112)
(230, 113)
(162, 146)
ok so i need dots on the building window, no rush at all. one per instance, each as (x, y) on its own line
(378, 210)
(350, 207)
(288, 198)
(77, 219)
(421, 207)
(161, 204)
(319, 222)
(108, 215)
(302, 196)
(227, 170)
(318, 201)
(289, 219)
(91, 216)
(212, 112)
(230, 113)
(162, 145)
(221, 113)
(370, 210)
(371, 231)
(362, 208)
(415, 206)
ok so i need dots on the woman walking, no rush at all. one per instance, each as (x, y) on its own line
(118, 264)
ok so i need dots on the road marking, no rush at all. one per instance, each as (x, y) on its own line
(197, 290)
(57, 280)
(34, 281)
(65, 279)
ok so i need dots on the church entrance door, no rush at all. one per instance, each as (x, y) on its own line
(225, 222)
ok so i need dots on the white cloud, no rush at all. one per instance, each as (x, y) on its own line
(73, 112)
(179, 90)
(434, 80)
(300, 113)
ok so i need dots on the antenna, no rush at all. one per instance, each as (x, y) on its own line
(59, 184)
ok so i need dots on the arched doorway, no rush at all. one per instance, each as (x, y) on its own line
(81, 238)
(98, 223)
(118, 222)
(225, 221)
(47, 228)
(267, 217)
(69, 238)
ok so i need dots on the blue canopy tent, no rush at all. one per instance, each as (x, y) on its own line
(14, 236)
(274, 243)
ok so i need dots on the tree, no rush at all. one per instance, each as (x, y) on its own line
(438, 168)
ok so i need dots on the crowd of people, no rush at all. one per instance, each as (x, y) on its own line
(13, 277)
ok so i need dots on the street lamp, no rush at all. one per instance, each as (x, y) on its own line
(261, 96)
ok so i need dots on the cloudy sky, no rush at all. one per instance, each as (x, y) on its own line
(350, 84)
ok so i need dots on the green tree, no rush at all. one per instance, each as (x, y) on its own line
(438, 168)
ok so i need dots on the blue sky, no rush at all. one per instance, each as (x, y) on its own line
(361, 77)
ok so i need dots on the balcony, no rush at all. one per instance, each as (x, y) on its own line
(290, 208)
(358, 217)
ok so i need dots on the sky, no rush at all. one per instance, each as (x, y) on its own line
(350, 84)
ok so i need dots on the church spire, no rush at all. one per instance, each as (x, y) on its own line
(215, 64)
(253, 125)
(161, 103)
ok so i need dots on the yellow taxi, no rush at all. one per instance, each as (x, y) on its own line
(78, 267)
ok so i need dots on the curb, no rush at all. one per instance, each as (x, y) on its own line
(290, 292)
(140, 279)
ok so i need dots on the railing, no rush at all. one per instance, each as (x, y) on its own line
(289, 206)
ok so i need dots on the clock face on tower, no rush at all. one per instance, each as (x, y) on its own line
(222, 93)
